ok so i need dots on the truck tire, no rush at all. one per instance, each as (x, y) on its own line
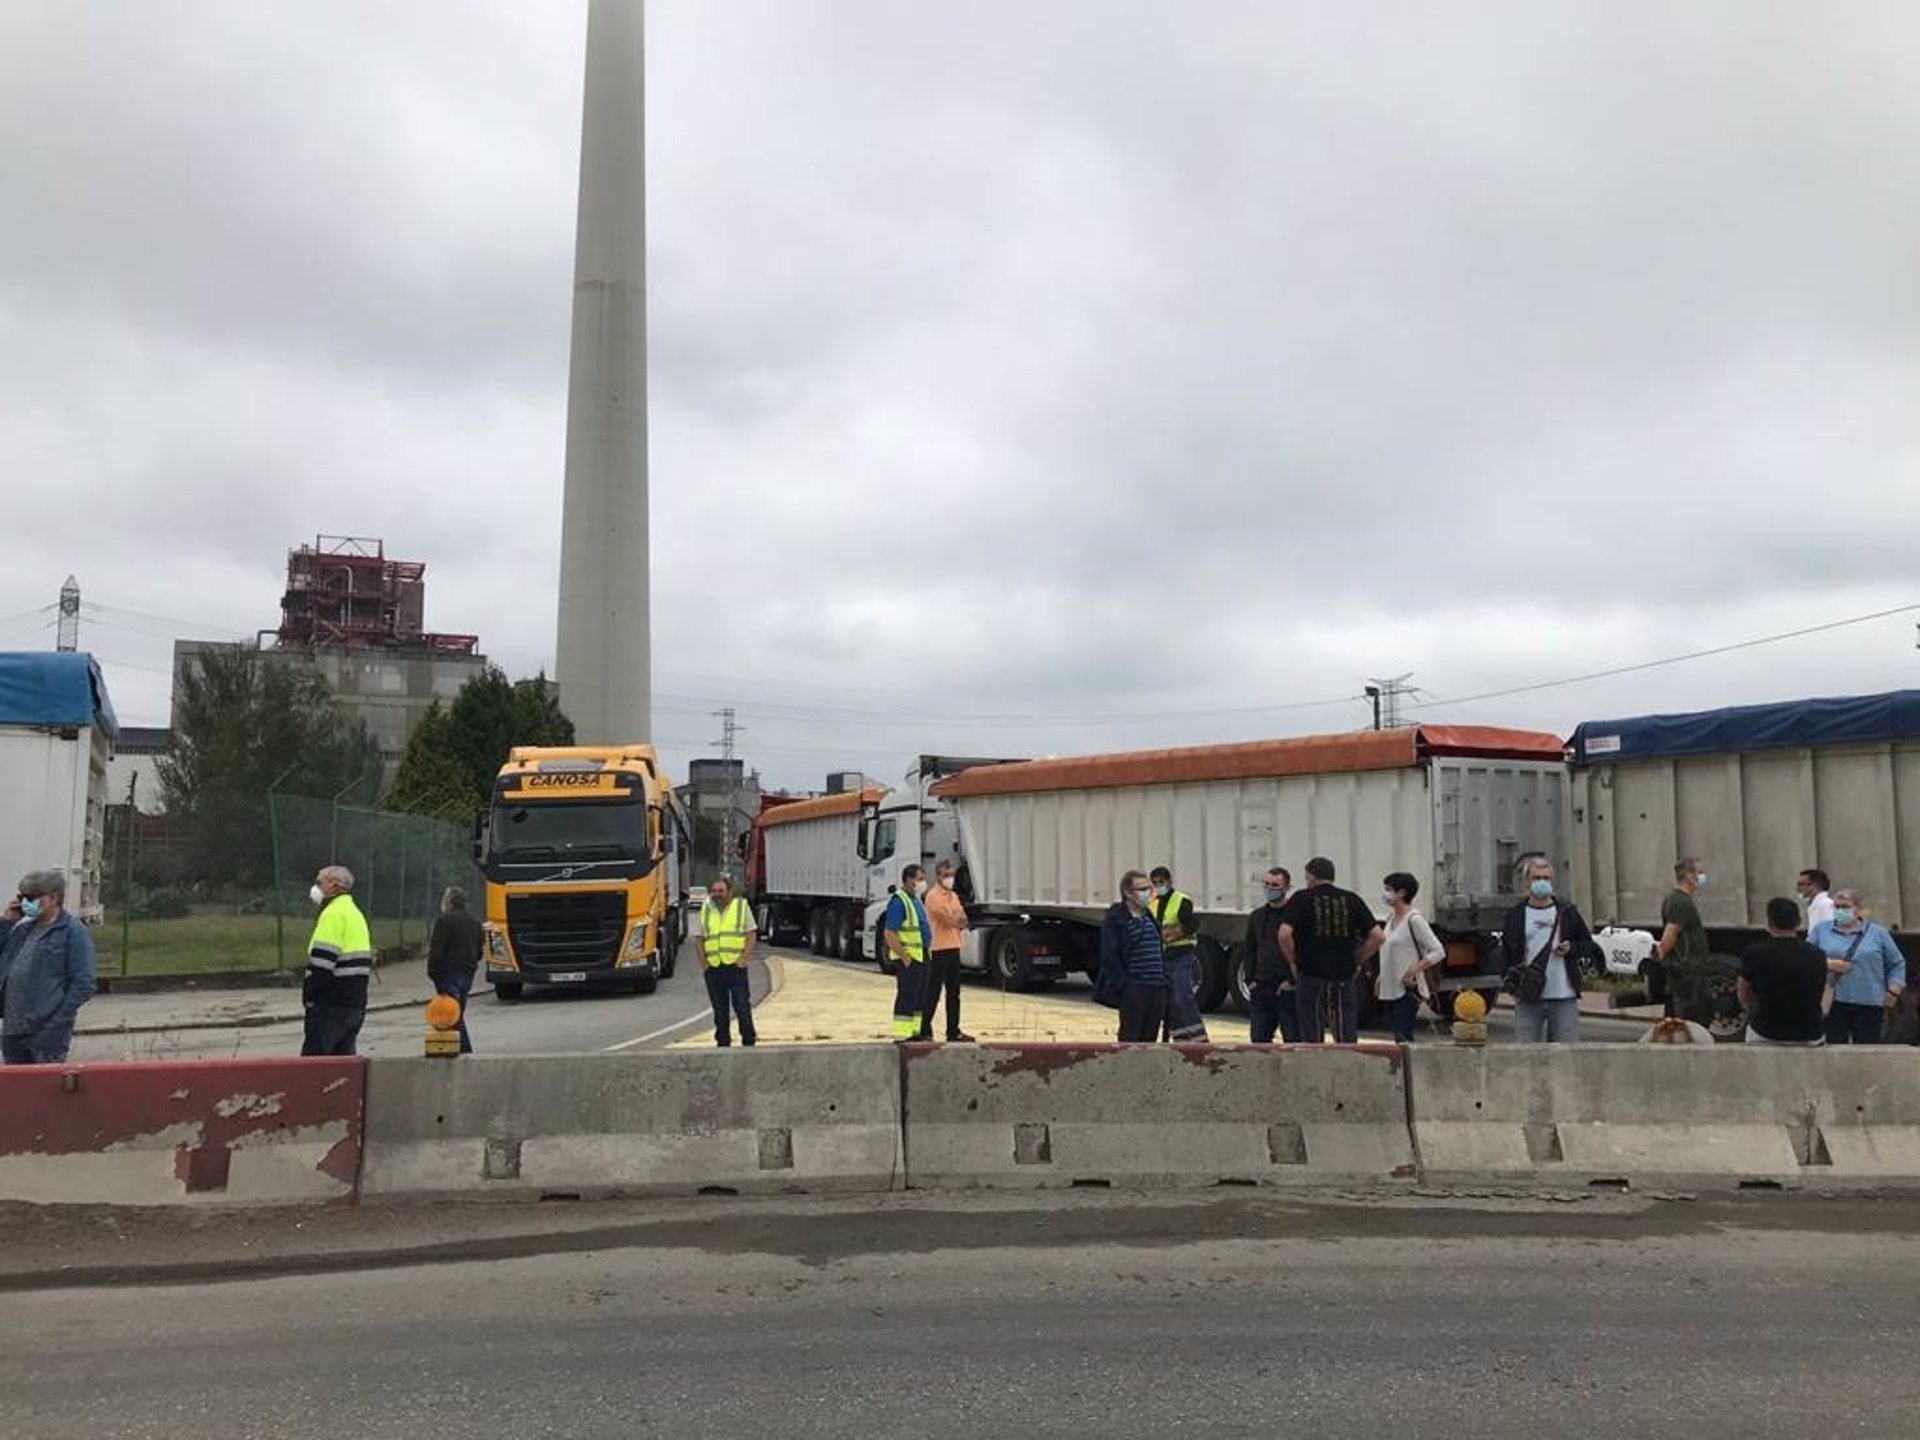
(505, 992)
(670, 940)
(1239, 981)
(1008, 960)
(1215, 974)
(1725, 1017)
(769, 924)
(848, 945)
(817, 932)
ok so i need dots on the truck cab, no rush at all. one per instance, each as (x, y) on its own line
(584, 852)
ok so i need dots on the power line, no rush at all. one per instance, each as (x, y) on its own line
(1670, 659)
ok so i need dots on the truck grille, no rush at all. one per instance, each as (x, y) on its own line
(566, 932)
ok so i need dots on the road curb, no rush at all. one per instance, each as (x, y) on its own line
(244, 1022)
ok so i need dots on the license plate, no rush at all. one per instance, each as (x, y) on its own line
(570, 977)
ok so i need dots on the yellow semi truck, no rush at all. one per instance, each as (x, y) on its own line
(585, 853)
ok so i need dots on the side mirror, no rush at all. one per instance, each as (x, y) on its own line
(863, 846)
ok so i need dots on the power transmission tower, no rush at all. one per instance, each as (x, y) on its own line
(1386, 695)
(729, 731)
(69, 633)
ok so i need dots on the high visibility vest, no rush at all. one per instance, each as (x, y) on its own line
(724, 932)
(342, 946)
(1171, 907)
(913, 939)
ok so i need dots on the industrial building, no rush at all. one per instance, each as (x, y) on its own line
(358, 617)
(720, 798)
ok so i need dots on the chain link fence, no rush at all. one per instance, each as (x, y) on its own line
(231, 898)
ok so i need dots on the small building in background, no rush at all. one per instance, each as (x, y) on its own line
(134, 770)
(721, 798)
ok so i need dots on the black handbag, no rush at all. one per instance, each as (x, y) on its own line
(1527, 981)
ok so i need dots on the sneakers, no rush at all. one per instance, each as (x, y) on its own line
(960, 1038)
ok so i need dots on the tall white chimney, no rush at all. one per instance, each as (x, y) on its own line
(605, 651)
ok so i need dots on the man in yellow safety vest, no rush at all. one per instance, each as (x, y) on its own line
(339, 963)
(725, 945)
(1174, 912)
(905, 930)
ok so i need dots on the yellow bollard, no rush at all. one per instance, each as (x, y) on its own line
(443, 1016)
(1469, 1018)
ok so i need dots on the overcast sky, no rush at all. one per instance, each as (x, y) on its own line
(1025, 378)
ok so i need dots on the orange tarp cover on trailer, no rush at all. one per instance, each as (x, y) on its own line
(1256, 759)
(821, 806)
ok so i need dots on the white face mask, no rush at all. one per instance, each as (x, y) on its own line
(919, 887)
(946, 882)
(317, 895)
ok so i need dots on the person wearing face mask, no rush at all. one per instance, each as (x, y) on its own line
(47, 969)
(1180, 939)
(1872, 972)
(1682, 951)
(1133, 961)
(905, 931)
(1410, 950)
(339, 964)
(1549, 936)
(1270, 987)
(948, 912)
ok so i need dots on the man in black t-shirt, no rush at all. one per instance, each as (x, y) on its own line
(1782, 980)
(1326, 934)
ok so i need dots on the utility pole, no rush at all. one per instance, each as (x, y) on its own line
(1386, 695)
(69, 633)
(728, 732)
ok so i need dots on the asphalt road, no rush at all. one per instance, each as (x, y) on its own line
(1106, 1317)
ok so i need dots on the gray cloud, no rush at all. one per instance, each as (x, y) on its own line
(1052, 378)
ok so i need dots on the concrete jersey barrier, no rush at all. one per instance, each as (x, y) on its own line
(1154, 1116)
(671, 1122)
(219, 1131)
(1686, 1115)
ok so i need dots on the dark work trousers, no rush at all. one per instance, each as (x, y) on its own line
(909, 995)
(1143, 1010)
(1328, 1004)
(459, 987)
(1183, 1023)
(1851, 1024)
(728, 989)
(1272, 1009)
(943, 977)
(332, 1029)
(43, 1047)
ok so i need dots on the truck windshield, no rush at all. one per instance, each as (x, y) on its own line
(606, 837)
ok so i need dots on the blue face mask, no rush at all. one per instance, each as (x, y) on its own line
(30, 909)
(1843, 915)
(1541, 889)
(1276, 892)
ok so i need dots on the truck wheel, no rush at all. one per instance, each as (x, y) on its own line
(846, 945)
(1214, 967)
(670, 946)
(1008, 960)
(1239, 982)
(1725, 1017)
(817, 932)
(506, 991)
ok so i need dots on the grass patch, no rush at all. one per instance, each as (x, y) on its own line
(212, 939)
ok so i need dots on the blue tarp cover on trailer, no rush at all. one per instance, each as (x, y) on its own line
(1849, 720)
(51, 688)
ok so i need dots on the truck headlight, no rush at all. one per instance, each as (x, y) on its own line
(497, 947)
(637, 939)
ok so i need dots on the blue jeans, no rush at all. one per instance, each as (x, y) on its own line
(1546, 1022)
(1183, 1023)
(1406, 1010)
(459, 987)
(42, 1047)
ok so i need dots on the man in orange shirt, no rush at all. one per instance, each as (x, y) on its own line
(949, 916)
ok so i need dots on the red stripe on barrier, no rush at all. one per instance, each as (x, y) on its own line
(203, 1111)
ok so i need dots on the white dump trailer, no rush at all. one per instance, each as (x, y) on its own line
(56, 736)
(1759, 793)
(1458, 807)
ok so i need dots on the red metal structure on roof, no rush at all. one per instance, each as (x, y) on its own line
(343, 591)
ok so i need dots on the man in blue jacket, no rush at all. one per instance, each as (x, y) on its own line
(46, 972)
(1133, 960)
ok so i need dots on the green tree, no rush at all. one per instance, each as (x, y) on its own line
(241, 723)
(452, 756)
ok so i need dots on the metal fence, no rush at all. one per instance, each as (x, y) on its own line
(184, 900)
